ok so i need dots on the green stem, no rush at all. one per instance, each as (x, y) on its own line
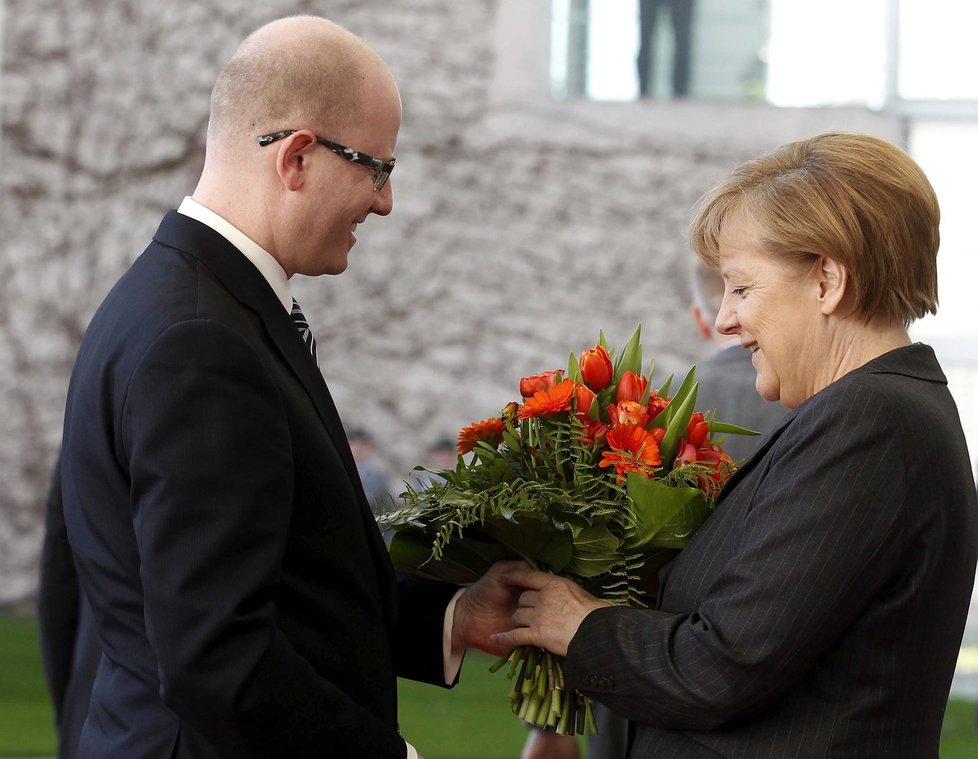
(592, 725)
(515, 657)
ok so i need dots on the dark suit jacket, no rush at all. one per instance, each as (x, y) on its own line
(243, 596)
(66, 629)
(819, 610)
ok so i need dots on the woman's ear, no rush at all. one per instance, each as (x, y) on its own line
(833, 282)
(291, 161)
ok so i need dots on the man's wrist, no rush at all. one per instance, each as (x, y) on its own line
(453, 649)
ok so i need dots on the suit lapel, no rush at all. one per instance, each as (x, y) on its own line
(758, 454)
(917, 360)
(248, 285)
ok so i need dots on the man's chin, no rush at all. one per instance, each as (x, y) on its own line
(331, 267)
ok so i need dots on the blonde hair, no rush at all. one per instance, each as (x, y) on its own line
(851, 197)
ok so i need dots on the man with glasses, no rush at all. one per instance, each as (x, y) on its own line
(243, 596)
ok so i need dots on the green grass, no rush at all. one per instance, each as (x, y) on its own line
(474, 714)
(26, 717)
(471, 721)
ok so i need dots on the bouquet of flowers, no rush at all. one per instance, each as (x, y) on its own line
(595, 476)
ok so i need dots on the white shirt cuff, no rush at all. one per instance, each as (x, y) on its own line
(453, 661)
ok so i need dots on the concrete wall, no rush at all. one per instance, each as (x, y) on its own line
(521, 226)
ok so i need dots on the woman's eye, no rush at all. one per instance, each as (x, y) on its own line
(738, 290)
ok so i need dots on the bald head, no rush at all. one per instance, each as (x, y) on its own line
(294, 73)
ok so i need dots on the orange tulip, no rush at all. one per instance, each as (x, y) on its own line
(538, 382)
(594, 433)
(697, 430)
(596, 368)
(657, 405)
(584, 397)
(631, 387)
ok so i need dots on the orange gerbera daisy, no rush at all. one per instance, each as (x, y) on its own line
(490, 430)
(633, 449)
(548, 402)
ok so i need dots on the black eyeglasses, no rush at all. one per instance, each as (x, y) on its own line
(381, 169)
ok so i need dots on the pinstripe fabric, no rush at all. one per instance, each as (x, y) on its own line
(820, 609)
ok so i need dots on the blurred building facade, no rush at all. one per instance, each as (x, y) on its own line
(522, 224)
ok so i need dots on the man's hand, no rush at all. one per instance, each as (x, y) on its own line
(514, 605)
(550, 610)
(543, 745)
(486, 608)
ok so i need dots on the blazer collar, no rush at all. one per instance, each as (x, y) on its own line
(917, 361)
(247, 284)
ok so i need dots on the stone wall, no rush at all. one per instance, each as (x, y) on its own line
(521, 226)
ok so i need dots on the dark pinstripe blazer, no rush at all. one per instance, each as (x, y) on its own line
(819, 611)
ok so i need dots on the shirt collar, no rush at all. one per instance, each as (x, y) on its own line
(270, 269)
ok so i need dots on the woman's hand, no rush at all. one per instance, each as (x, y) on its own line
(550, 609)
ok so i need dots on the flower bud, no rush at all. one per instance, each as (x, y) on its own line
(596, 368)
(631, 387)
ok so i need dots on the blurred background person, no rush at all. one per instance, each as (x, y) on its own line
(681, 25)
(373, 473)
(442, 453)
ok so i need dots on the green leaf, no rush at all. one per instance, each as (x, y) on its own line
(533, 538)
(512, 440)
(684, 390)
(665, 517)
(664, 390)
(677, 422)
(462, 562)
(574, 369)
(730, 429)
(648, 387)
(596, 551)
(572, 521)
(631, 356)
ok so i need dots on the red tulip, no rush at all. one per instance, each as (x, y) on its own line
(631, 387)
(656, 404)
(697, 430)
(531, 385)
(594, 433)
(596, 368)
(687, 453)
(584, 397)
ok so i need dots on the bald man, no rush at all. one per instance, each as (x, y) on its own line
(242, 593)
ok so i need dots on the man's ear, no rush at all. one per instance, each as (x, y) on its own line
(833, 283)
(705, 328)
(292, 161)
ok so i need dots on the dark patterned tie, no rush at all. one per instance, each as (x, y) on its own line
(303, 326)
